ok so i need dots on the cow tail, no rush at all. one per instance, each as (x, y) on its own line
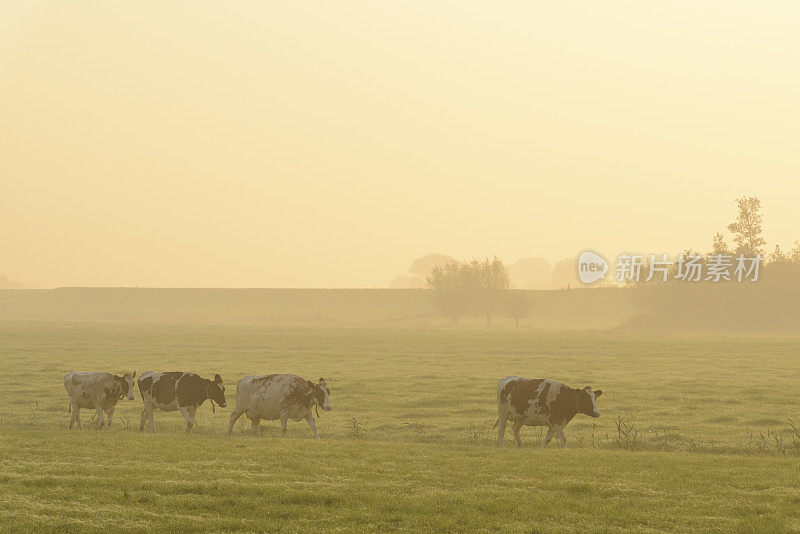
(496, 422)
(69, 410)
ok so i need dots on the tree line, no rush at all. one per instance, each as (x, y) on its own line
(526, 273)
(483, 287)
(768, 303)
(477, 287)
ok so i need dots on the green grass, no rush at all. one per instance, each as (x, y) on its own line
(172, 482)
(703, 442)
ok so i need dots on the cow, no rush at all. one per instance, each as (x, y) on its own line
(180, 391)
(100, 391)
(280, 396)
(538, 402)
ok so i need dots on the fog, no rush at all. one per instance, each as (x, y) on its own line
(294, 145)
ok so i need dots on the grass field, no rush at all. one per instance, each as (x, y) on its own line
(694, 433)
(574, 309)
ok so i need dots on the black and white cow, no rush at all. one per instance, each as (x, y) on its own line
(99, 391)
(538, 402)
(180, 391)
(279, 396)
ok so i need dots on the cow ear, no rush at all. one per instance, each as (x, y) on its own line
(598, 392)
(321, 380)
(310, 384)
(218, 379)
(134, 374)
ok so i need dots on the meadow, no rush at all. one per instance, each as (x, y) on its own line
(696, 432)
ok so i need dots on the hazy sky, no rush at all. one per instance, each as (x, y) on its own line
(329, 144)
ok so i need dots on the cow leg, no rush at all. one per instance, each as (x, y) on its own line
(234, 417)
(110, 414)
(548, 436)
(100, 416)
(73, 417)
(313, 425)
(192, 412)
(561, 436)
(255, 422)
(189, 419)
(284, 419)
(152, 421)
(147, 414)
(517, 427)
(78, 418)
(501, 429)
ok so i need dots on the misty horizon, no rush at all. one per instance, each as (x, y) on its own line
(212, 157)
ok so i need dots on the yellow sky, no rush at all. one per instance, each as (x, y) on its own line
(328, 144)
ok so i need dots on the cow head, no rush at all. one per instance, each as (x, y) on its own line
(124, 385)
(322, 394)
(587, 401)
(216, 391)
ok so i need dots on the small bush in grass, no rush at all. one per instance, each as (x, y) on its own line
(357, 428)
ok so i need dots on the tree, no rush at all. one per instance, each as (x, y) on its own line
(424, 265)
(419, 271)
(469, 287)
(794, 254)
(490, 278)
(778, 256)
(449, 285)
(769, 305)
(746, 229)
(517, 305)
(719, 246)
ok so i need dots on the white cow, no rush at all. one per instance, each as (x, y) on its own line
(100, 391)
(280, 396)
